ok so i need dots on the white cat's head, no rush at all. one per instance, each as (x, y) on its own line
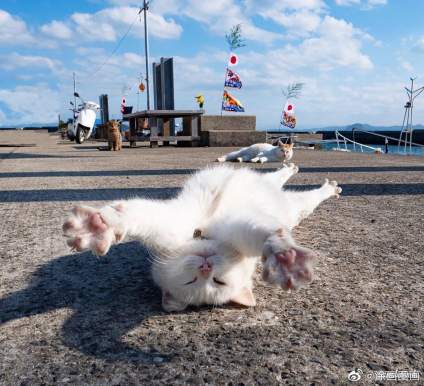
(204, 273)
(286, 150)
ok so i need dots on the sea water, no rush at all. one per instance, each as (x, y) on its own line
(393, 149)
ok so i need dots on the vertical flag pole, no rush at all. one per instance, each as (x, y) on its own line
(234, 41)
(225, 80)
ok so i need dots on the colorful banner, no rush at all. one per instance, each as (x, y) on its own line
(229, 103)
(232, 79)
(288, 120)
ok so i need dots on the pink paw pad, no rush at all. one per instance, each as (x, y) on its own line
(87, 229)
(285, 264)
(96, 223)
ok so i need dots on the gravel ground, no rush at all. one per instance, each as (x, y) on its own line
(74, 319)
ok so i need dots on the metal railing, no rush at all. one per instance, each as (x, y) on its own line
(345, 140)
(387, 138)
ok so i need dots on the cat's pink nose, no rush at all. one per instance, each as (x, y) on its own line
(205, 269)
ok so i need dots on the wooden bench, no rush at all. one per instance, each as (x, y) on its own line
(163, 132)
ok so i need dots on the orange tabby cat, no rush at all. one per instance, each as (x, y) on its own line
(114, 135)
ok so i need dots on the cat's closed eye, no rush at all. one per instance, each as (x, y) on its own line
(218, 281)
(191, 282)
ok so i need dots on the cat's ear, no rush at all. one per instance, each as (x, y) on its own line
(245, 298)
(280, 143)
(170, 303)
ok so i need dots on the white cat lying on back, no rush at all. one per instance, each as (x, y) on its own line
(261, 152)
(207, 241)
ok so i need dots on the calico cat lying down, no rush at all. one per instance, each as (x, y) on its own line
(207, 241)
(261, 152)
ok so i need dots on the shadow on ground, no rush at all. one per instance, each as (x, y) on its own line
(164, 172)
(12, 155)
(100, 194)
(108, 297)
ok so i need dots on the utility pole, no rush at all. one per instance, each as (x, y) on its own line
(146, 49)
(75, 90)
(75, 98)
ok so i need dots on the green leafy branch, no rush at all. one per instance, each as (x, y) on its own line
(293, 90)
(234, 38)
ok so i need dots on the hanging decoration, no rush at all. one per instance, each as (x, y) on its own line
(123, 104)
(232, 79)
(229, 103)
(288, 117)
(233, 60)
(141, 87)
(200, 99)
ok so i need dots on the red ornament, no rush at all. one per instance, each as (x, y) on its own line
(233, 60)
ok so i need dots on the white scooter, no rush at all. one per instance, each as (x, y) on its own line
(81, 127)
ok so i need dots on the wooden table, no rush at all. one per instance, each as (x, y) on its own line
(161, 129)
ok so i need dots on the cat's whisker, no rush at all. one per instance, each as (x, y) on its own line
(154, 259)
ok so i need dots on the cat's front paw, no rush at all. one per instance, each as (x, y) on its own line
(292, 167)
(286, 264)
(220, 159)
(333, 188)
(93, 229)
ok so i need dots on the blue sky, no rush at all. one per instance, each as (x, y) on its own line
(354, 56)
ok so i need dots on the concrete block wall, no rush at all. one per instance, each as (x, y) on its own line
(228, 122)
(229, 130)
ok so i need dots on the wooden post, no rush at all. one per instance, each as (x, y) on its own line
(154, 131)
(166, 130)
(133, 132)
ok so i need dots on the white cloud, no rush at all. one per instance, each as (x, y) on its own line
(110, 23)
(347, 2)
(373, 3)
(294, 5)
(91, 27)
(15, 61)
(336, 44)
(13, 31)
(221, 15)
(297, 23)
(364, 4)
(57, 29)
(419, 44)
(406, 65)
(31, 104)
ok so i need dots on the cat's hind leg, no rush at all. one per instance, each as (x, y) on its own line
(281, 176)
(285, 263)
(304, 203)
(233, 156)
(244, 158)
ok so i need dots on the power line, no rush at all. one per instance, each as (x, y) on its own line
(116, 48)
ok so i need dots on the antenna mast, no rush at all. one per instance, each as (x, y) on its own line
(407, 127)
